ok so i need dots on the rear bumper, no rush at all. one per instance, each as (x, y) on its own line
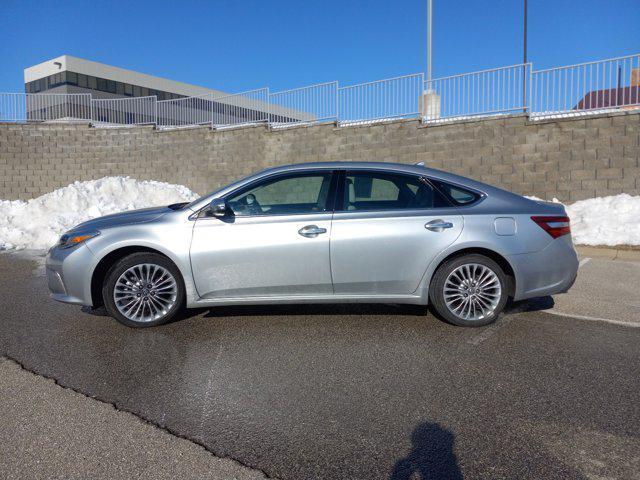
(550, 271)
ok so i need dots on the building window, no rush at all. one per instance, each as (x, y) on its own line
(94, 83)
(72, 78)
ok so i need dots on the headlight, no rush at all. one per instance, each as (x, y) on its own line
(69, 240)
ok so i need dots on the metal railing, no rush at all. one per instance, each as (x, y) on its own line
(314, 103)
(604, 84)
(184, 112)
(587, 87)
(44, 107)
(381, 100)
(486, 92)
(244, 108)
(124, 111)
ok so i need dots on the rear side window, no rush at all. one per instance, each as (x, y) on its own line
(455, 194)
(367, 191)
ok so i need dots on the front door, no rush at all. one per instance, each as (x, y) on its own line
(389, 228)
(274, 243)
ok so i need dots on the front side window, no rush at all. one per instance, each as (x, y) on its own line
(292, 194)
(367, 191)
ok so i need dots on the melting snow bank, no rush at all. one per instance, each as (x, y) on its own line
(38, 223)
(608, 221)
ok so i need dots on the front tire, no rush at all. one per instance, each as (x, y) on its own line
(469, 290)
(143, 290)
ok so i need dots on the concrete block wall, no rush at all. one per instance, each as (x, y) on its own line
(570, 159)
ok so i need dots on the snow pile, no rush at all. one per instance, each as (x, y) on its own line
(38, 223)
(609, 221)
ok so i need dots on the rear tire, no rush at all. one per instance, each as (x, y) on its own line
(469, 290)
(143, 290)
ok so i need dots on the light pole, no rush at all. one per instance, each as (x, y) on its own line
(429, 39)
(429, 100)
(524, 68)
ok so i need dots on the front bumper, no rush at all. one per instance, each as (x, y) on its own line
(69, 274)
(550, 271)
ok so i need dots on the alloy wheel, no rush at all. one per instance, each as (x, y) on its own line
(472, 292)
(145, 292)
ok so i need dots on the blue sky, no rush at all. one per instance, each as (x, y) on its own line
(240, 45)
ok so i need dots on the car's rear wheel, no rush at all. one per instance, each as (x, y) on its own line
(143, 290)
(469, 290)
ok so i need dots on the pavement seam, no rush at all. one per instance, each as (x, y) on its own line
(6, 357)
(610, 321)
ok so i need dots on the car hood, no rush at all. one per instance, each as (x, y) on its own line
(124, 218)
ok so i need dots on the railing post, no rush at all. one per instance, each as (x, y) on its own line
(530, 105)
(337, 103)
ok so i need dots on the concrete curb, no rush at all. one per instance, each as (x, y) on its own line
(611, 253)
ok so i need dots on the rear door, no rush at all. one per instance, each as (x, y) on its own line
(385, 232)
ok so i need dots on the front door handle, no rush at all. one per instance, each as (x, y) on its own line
(311, 231)
(438, 225)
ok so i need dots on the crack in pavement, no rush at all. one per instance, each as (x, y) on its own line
(143, 420)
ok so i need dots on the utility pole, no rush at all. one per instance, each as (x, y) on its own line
(524, 68)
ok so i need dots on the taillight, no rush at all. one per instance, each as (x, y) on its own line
(554, 226)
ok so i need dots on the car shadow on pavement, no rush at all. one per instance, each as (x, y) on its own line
(314, 309)
(530, 305)
(431, 456)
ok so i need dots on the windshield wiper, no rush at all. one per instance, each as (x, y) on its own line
(177, 206)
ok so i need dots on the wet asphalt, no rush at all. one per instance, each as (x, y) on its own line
(358, 392)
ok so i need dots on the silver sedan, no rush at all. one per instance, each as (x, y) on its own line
(322, 233)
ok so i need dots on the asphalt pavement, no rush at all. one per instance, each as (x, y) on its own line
(359, 391)
(51, 432)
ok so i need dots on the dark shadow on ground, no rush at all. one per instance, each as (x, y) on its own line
(337, 309)
(530, 305)
(431, 456)
(317, 309)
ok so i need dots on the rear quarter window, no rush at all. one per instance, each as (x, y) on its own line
(455, 194)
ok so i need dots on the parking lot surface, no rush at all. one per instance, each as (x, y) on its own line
(361, 391)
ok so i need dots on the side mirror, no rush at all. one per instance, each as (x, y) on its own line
(218, 207)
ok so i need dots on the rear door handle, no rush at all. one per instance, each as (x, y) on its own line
(311, 231)
(438, 225)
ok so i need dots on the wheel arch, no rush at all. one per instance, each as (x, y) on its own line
(500, 259)
(102, 268)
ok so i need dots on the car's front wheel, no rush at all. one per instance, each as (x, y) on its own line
(143, 290)
(469, 290)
